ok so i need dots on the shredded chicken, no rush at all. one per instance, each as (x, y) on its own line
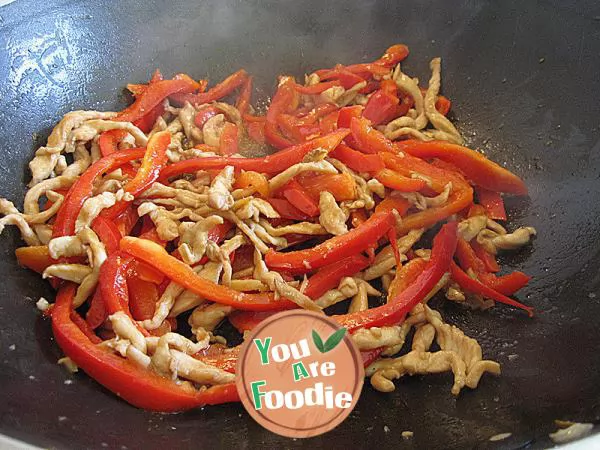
(219, 195)
(282, 178)
(93, 206)
(492, 241)
(332, 218)
(212, 130)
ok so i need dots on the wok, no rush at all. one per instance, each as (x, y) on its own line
(523, 80)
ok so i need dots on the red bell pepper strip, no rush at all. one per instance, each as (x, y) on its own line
(36, 258)
(476, 287)
(370, 356)
(328, 277)
(492, 202)
(286, 210)
(297, 196)
(126, 221)
(381, 107)
(108, 233)
(109, 140)
(489, 260)
(393, 203)
(328, 123)
(286, 99)
(139, 387)
(247, 320)
(475, 166)
(274, 163)
(357, 161)
(397, 182)
(443, 105)
(406, 275)
(341, 185)
(225, 87)
(467, 258)
(228, 143)
(345, 120)
(368, 139)
(146, 272)
(393, 55)
(346, 78)
(274, 137)
(154, 95)
(458, 199)
(81, 190)
(397, 307)
(506, 284)
(254, 180)
(243, 102)
(96, 313)
(256, 131)
(143, 297)
(182, 274)
(316, 89)
(334, 249)
(204, 114)
(84, 327)
(154, 159)
(113, 283)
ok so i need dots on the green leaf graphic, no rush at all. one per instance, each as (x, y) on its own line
(334, 340)
(318, 341)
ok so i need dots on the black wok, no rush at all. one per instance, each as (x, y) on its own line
(525, 89)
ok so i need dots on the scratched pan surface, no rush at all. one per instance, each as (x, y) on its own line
(524, 84)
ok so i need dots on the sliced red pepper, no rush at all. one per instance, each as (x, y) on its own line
(381, 108)
(346, 78)
(345, 120)
(341, 185)
(96, 314)
(505, 284)
(247, 320)
(82, 189)
(36, 258)
(228, 144)
(368, 139)
(474, 165)
(489, 260)
(84, 327)
(154, 96)
(126, 220)
(143, 297)
(140, 387)
(357, 161)
(274, 163)
(243, 101)
(297, 196)
(406, 275)
(370, 356)
(108, 233)
(467, 257)
(256, 131)
(393, 203)
(286, 210)
(393, 55)
(316, 89)
(328, 277)
(334, 249)
(476, 287)
(328, 124)
(204, 114)
(443, 105)
(492, 202)
(255, 180)
(274, 137)
(146, 272)
(109, 140)
(394, 180)
(225, 87)
(394, 311)
(182, 274)
(154, 160)
(286, 99)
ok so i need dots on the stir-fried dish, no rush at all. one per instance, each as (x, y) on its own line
(159, 223)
